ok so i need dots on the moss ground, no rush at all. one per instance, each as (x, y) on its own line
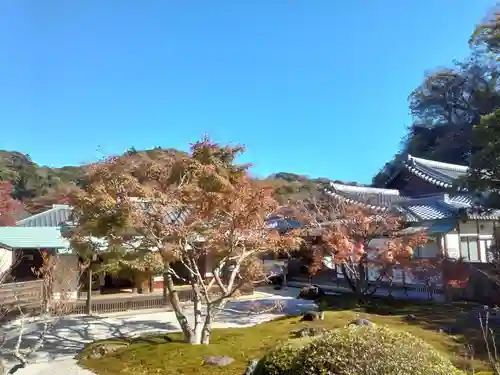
(447, 328)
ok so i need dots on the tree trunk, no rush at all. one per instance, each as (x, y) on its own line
(173, 297)
(354, 283)
(207, 327)
(198, 312)
(347, 277)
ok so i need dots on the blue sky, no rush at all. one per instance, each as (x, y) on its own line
(311, 87)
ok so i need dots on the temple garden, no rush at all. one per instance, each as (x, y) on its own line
(386, 335)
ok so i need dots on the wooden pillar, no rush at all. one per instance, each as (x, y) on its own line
(494, 240)
(478, 230)
(164, 286)
(459, 240)
(88, 302)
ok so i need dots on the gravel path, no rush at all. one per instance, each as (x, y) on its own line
(70, 334)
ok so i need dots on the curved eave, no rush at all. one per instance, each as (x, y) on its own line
(430, 179)
(491, 215)
(353, 201)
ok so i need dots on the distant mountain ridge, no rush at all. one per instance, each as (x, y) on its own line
(32, 181)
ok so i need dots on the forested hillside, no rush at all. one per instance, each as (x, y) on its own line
(38, 187)
(451, 100)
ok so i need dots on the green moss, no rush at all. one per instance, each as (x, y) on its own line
(245, 344)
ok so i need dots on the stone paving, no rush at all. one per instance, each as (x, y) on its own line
(69, 335)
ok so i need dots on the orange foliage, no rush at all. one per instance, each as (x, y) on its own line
(8, 205)
(346, 233)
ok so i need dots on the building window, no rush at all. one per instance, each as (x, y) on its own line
(469, 249)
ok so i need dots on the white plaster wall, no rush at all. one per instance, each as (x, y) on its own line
(486, 228)
(483, 249)
(6, 260)
(469, 228)
(452, 245)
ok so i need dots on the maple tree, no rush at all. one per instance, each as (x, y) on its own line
(8, 205)
(201, 212)
(342, 235)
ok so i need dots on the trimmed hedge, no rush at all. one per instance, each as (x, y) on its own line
(361, 350)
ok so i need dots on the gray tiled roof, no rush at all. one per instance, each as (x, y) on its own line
(435, 172)
(54, 217)
(373, 197)
(433, 207)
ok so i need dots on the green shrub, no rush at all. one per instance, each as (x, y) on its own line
(280, 361)
(358, 351)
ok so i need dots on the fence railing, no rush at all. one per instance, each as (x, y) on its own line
(21, 293)
(118, 303)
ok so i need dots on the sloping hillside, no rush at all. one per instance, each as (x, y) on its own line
(37, 185)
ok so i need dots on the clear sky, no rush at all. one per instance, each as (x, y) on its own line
(311, 87)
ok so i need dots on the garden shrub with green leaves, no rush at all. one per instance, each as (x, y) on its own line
(373, 350)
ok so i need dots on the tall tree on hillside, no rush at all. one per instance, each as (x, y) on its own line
(451, 101)
(446, 106)
(487, 33)
(202, 212)
(8, 205)
(341, 235)
(484, 175)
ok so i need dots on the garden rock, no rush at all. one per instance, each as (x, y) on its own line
(311, 292)
(360, 322)
(311, 316)
(309, 332)
(252, 367)
(218, 360)
(410, 318)
(100, 350)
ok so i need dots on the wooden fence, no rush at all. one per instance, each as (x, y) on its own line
(117, 303)
(109, 304)
(21, 294)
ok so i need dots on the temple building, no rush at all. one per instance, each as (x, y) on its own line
(427, 194)
(423, 192)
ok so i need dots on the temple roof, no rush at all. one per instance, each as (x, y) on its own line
(433, 207)
(375, 198)
(435, 172)
(56, 216)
